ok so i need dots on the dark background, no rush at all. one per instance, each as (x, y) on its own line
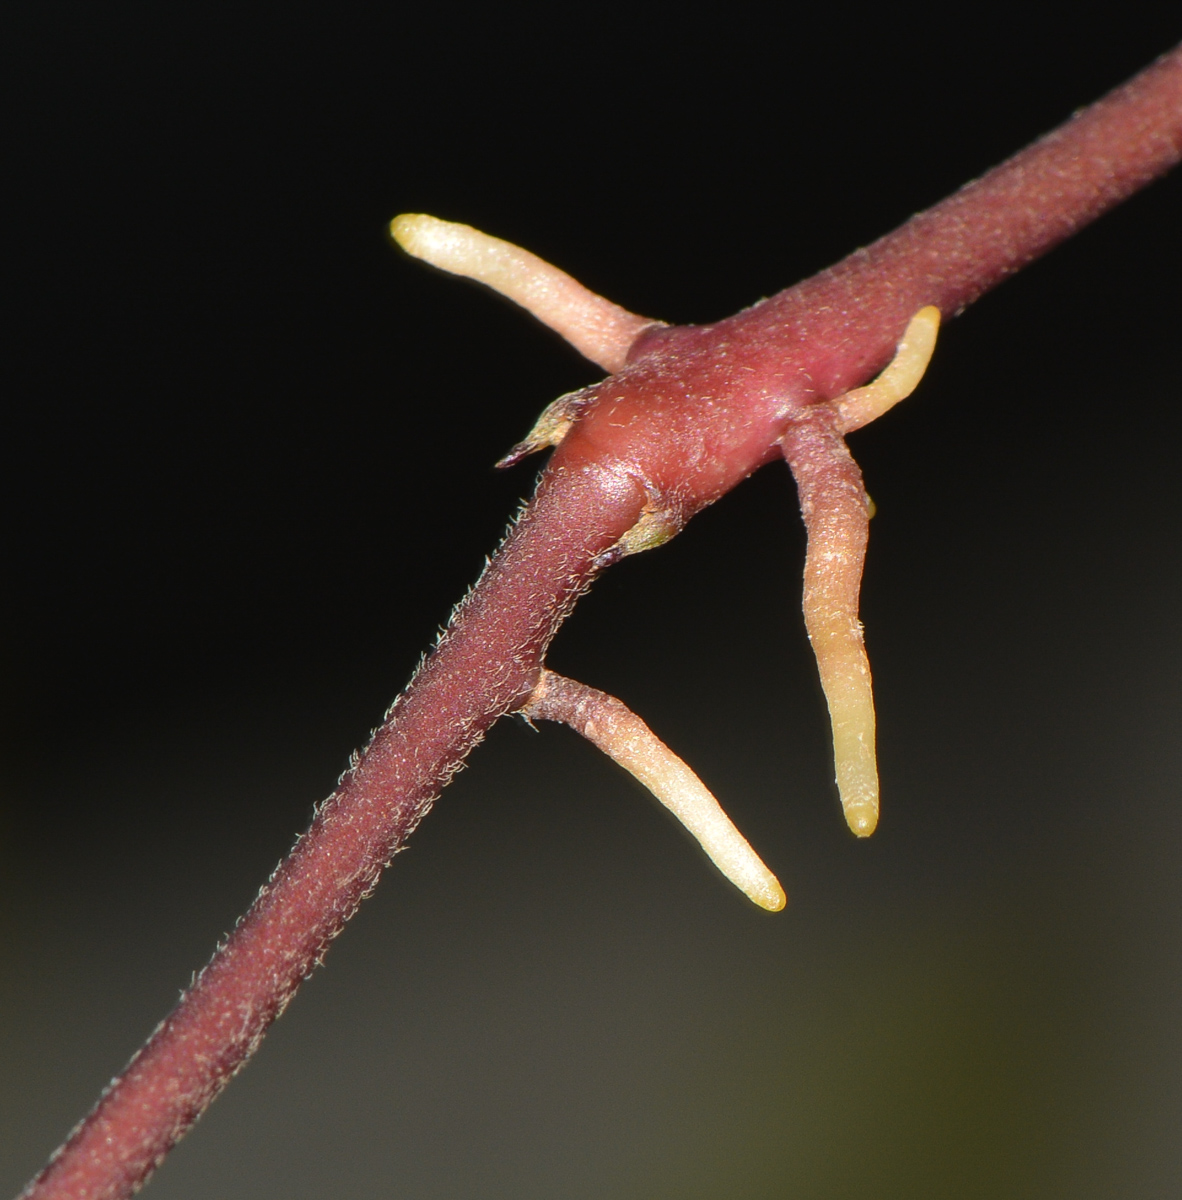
(246, 470)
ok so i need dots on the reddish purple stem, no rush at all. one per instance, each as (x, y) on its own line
(695, 411)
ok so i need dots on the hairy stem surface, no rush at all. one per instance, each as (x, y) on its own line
(695, 410)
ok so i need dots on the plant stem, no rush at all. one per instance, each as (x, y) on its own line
(695, 410)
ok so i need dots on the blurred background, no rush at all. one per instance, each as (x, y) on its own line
(246, 470)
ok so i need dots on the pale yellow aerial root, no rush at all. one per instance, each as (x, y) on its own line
(898, 380)
(625, 738)
(597, 328)
(836, 513)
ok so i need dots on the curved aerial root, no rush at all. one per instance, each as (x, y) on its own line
(836, 514)
(597, 328)
(625, 738)
(898, 380)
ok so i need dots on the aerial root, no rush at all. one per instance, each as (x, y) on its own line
(898, 380)
(627, 740)
(836, 514)
(597, 328)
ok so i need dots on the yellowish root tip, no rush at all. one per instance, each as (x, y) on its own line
(900, 377)
(862, 819)
(403, 229)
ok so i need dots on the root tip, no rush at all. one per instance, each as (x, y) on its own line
(862, 819)
(404, 228)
